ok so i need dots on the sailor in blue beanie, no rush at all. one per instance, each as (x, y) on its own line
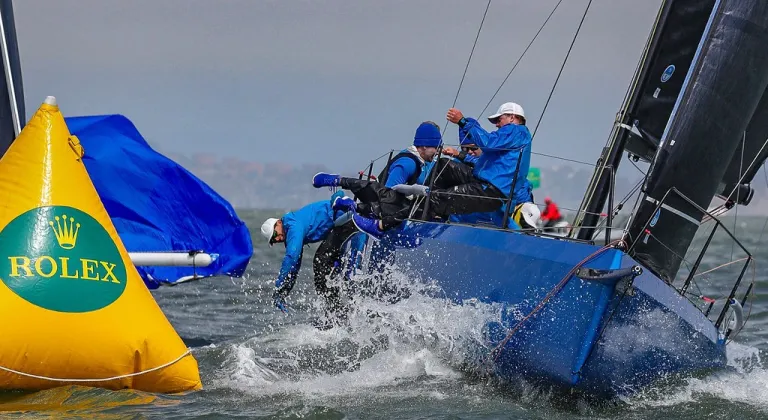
(410, 166)
(427, 135)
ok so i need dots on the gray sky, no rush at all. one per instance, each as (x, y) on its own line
(333, 82)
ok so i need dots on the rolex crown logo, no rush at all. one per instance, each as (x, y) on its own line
(66, 231)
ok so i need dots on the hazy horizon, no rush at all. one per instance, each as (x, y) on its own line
(328, 82)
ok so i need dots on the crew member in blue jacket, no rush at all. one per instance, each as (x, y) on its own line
(483, 187)
(495, 170)
(410, 166)
(320, 221)
(469, 153)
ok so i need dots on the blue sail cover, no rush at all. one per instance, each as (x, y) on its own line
(157, 205)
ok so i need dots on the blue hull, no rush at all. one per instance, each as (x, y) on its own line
(605, 337)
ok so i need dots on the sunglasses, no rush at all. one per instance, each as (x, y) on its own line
(470, 148)
(272, 239)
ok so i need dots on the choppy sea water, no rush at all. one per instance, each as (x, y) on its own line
(417, 359)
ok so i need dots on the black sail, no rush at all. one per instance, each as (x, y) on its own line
(720, 94)
(671, 46)
(679, 39)
(745, 163)
(12, 113)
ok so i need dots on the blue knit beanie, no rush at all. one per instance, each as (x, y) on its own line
(427, 135)
(465, 137)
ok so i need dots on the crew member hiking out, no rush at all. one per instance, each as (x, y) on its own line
(461, 189)
(320, 221)
(408, 167)
(469, 153)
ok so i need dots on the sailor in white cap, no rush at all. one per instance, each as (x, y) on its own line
(326, 221)
(506, 152)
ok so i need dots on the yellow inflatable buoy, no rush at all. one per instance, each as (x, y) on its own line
(74, 308)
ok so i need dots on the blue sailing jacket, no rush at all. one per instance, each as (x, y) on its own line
(471, 159)
(309, 224)
(425, 172)
(400, 171)
(403, 168)
(464, 139)
(498, 161)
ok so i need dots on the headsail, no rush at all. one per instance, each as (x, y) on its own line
(157, 205)
(720, 95)
(12, 113)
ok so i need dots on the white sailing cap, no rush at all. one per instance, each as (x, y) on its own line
(507, 108)
(268, 228)
(530, 213)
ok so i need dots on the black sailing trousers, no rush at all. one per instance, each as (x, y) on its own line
(326, 258)
(385, 203)
(457, 191)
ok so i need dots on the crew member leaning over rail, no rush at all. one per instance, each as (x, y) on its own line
(408, 167)
(484, 187)
(320, 221)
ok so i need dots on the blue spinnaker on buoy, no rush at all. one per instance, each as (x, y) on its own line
(157, 205)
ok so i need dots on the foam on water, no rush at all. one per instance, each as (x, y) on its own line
(745, 381)
(428, 346)
(418, 339)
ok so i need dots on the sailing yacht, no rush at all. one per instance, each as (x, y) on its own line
(603, 316)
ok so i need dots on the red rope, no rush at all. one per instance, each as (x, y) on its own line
(549, 296)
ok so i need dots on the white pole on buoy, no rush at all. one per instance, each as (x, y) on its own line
(171, 259)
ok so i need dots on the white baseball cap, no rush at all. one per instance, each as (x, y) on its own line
(507, 108)
(268, 229)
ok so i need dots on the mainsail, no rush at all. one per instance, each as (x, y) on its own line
(157, 205)
(12, 114)
(639, 126)
(674, 118)
(719, 97)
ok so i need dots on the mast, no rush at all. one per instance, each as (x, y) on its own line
(721, 92)
(12, 113)
(649, 101)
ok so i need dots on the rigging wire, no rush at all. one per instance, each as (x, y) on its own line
(600, 227)
(445, 127)
(521, 57)
(562, 158)
(723, 208)
(760, 239)
(620, 116)
(738, 191)
(508, 74)
(752, 292)
(469, 60)
(743, 174)
(561, 69)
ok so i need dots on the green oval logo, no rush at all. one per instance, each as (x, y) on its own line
(61, 259)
